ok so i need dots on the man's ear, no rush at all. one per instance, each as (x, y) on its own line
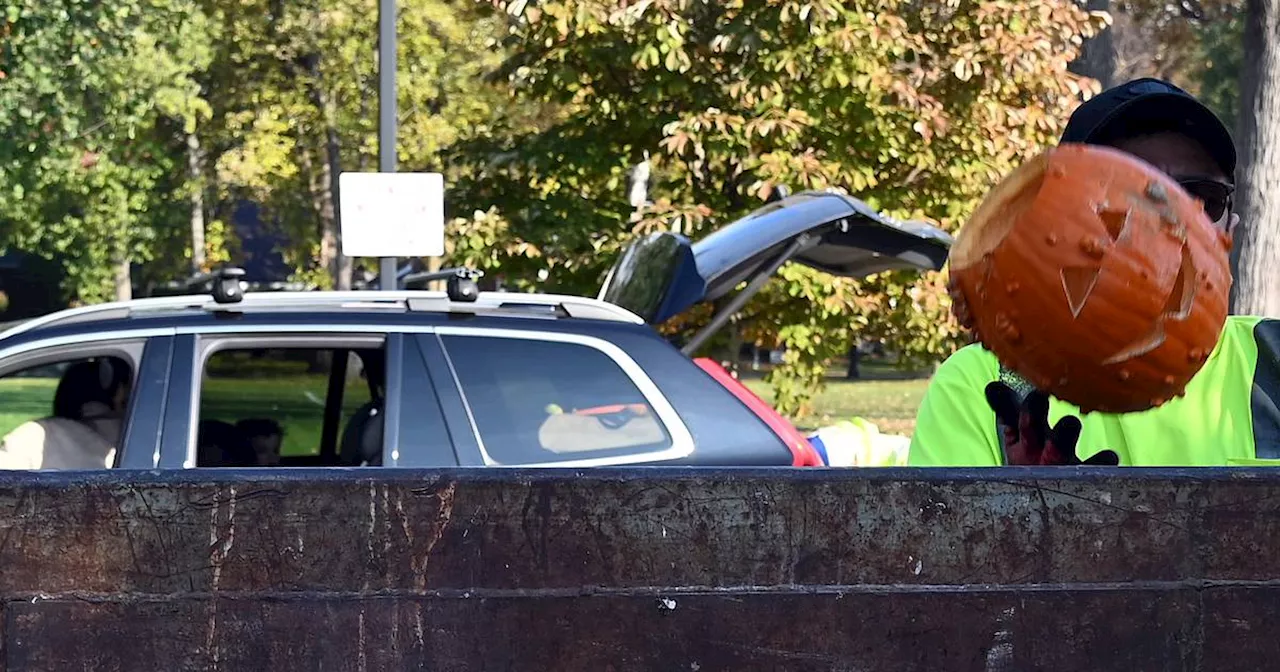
(1232, 221)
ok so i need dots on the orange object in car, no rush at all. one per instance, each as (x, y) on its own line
(638, 409)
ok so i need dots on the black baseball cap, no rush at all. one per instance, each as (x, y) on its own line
(1150, 105)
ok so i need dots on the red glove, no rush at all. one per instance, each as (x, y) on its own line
(1028, 439)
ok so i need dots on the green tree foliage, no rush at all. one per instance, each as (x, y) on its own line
(1198, 44)
(536, 113)
(1220, 56)
(294, 87)
(98, 104)
(94, 98)
(916, 108)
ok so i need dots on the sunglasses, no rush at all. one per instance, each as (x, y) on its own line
(1215, 195)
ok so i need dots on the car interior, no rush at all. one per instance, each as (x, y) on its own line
(266, 408)
(537, 401)
(86, 404)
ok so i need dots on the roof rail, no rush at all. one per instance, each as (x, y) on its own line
(99, 311)
(414, 300)
(424, 277)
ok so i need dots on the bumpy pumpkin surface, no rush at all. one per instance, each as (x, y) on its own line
(1095, 276)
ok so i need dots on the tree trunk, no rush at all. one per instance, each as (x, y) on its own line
(342, 266)
(855, 357)
(195, 172)
(1257, 285)
(434, 264)
(1097, 54)
(316, 189)
(331, 257)
(124, 285)
(734, 349)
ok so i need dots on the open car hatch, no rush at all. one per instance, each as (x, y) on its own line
(665, 274)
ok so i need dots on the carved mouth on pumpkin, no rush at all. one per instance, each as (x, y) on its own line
(1176, 307)
(1088, 271)
(1183, 297)
(1140, 347)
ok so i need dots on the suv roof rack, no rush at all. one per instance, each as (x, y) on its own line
(552, 305)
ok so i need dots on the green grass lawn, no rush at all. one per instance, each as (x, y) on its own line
(296, 401)
(23, 399)
(890, 404)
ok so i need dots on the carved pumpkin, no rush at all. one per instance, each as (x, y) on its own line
(1094, 276)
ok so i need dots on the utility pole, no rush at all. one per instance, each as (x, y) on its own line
(387, 115)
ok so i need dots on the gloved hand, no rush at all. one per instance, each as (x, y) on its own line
(1028, 439)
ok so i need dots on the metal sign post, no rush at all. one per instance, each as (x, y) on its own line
(387, 115)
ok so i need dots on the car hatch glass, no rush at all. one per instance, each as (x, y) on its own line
(537, 401)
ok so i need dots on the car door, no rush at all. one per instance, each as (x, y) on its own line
(29, 375)
(432, 428)
(530, 397)
(268, 375)
(666, 274)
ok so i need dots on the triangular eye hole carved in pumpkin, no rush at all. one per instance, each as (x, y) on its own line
(1078, 283)
(1115, 219)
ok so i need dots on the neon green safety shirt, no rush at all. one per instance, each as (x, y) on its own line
(1229, 415)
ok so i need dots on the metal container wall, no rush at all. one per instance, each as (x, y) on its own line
(642, 569)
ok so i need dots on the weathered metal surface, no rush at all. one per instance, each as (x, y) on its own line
(974, 631)
(641, 569)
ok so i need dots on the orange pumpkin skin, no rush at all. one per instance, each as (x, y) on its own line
(1095, 276)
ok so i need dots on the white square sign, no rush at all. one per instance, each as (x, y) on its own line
(392, 214)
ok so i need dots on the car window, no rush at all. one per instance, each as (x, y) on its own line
(267, 407)
(539, 401)
(68, 414)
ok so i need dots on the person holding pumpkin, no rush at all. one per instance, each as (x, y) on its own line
(978, 413)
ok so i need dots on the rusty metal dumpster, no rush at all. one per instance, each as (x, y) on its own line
(649, 569)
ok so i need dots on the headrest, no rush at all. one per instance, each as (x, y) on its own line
(362, 437)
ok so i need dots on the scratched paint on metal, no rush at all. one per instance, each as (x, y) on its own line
(640, 569)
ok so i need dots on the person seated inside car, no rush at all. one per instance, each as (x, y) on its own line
(265, 437)
(252, 442)
(85, 428)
